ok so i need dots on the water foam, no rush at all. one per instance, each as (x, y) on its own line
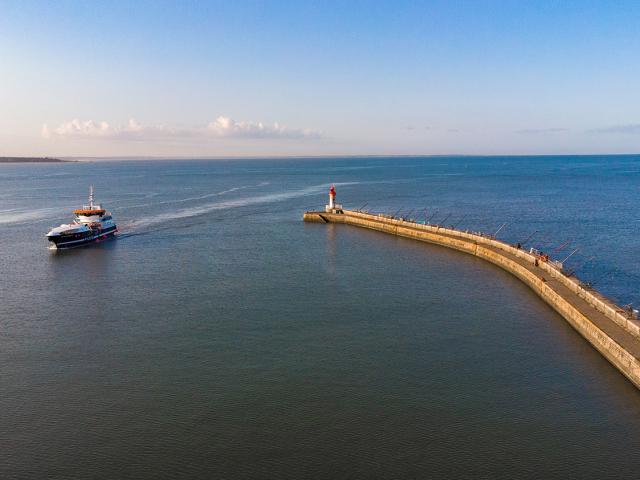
(20, 216)
(240, 202)
(190, 199)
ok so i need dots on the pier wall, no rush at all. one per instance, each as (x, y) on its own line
(604, 324)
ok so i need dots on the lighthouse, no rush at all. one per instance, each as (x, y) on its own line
(333, 207)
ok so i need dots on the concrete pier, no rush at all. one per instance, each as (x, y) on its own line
(613, 331)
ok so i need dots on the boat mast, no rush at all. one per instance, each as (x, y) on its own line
(90, 197)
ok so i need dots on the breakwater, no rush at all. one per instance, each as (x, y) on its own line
(612, 330)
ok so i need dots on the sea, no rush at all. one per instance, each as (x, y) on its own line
(220, 337)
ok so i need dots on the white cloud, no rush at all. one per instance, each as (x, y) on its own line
(78, 128)
(226, 127)
(222, 127)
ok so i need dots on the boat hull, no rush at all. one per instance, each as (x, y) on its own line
(60, 242)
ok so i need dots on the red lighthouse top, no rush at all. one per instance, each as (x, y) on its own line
(332, 191)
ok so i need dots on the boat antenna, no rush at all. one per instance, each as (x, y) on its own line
(90, 197)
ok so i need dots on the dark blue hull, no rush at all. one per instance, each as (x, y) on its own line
(61, 243)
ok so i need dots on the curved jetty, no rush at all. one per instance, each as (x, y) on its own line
(612, 330)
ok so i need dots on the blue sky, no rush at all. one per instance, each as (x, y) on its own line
(312, 78)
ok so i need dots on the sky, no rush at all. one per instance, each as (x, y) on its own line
(154, 78)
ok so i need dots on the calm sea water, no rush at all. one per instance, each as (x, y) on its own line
(221, 337)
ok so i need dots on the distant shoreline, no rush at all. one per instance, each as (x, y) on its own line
(294, 157)
(134, 158)
(32, 160)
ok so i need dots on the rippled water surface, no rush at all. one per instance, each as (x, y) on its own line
(221, 337)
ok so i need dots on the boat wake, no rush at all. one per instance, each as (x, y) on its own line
(142, 224)
(21, 216)
(190, 199)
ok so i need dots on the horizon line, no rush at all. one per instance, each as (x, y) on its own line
(267, 157)
(328, 156)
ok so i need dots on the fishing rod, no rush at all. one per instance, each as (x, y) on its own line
(365, 204)
(445, 219)
(561, 246)
(460, 221)
(580, 265)
(545, 242)
(528, 238)
(602, 277)
(432, 215)
(498, 231)
(569, 256)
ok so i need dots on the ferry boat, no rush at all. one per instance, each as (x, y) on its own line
(91, 225)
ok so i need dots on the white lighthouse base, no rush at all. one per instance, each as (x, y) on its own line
(337, 208)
